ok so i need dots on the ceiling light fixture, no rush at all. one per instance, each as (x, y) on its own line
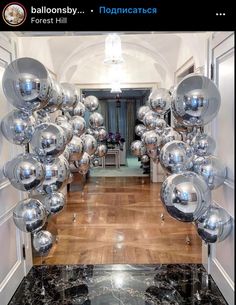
(113, 51)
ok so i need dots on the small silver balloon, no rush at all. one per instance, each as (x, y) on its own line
(42, 241)
(83, 164)
(145, 159)
(55, 98)
(160, 100)
(18, 127)
(69, 99)
(56, 174)
(95, 163)
(78, 124)
(169, 135)
(140, 129)
(48, 141)
(203, 144)
(176, 157)
(196, 100)
(150, 119)
(78, 110)
(67, 128)
(153, 154)
(26, 84)
(141, 112)
(214, 225)
(102, 133)
(137, 148)
(91, 103)
(212, 170)
(90, 144)
(151, 139)
(185, 196)
(29, 215)
(76, 149)
(101, 150)
(25, 172)
(56, 201)
(42, 199)
(41, 116)
(96, 120)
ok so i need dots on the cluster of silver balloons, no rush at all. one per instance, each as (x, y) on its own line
(185, 153)
(53, 145)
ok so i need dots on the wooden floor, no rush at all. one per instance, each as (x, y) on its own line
(118, 221)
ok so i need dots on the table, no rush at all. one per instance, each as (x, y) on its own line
(114, 152)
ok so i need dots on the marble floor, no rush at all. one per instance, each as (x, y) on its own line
(166, 284)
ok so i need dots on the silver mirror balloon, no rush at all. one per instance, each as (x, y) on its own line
(137, 148)
(42, 241)
(18, 127)
(69, 97)
(203, 144)
(78, 110)
(141, 112)
(78, 125)
(90, 144)
(83, 164)
(75, 148)
(55, 98)
(96, 120)
(159, 100)
(91, 103)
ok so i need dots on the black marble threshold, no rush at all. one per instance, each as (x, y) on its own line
(171, 284)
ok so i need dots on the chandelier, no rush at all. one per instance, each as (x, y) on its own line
(113, 51)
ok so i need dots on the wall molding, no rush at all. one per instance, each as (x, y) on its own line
(4, 183)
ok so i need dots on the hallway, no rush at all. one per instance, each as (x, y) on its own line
(118, 221)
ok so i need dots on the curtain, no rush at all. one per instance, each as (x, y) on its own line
(130, 123)
(103, 109)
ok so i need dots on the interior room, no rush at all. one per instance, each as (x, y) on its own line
(117, 168)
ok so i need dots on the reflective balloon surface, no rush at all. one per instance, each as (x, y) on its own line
(141, 112)
(75, 148)
(26, 84)
(55, 98)
(56, 174)
(102, 134)
(41, 116)
(101, 150)
(25, 172)
(145, 159)
(42, 241)
(160, 100)
(203, 145)
(83, 164)
(96, 120)
(95, 163)
(176, 156)
(78, 110)
(78, 125)
(140, 129)
(56, 201)
(29, 215)
(48, 141)
(66, 153)
(67, 128)
(90, 144)
(153, 153)
(151, 139)
(212, 170)
(17, 127)
(196, 100)
(150, 119)
(214, 225)
(68, 98)
(137, 148)
(185, 196)
(91, 103)
(169, 134)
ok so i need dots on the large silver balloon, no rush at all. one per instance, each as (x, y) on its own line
(83, 164)
(140, 129)
(55, 98)
(176, 157)
(137, 148)
(26, 84)
(101, 150)
(42, 241)
(78, 124)
(196, 100)
(90, 144)
(25, 172)
(91, 103)
(203, 144)
(78, 110)
(102, 133)
(141, 112)
(56, 174)
(76, 149)
(160, 100)
(185, 196)
(69, 98)
(214, 225)
(29, 215)
(151, 139)
(169, 134)
(67, 128)
(18, 127)
(150, 119)
(48, 141)
(212, 170)
(56, 201)
(96, 120)
(42, 199)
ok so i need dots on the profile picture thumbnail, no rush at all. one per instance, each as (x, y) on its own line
(14, 14)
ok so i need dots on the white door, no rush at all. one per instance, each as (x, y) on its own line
(13, 267)
(221, 262)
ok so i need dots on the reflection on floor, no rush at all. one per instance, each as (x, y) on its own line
(118, 285)
(132, 169)
(118, 220)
